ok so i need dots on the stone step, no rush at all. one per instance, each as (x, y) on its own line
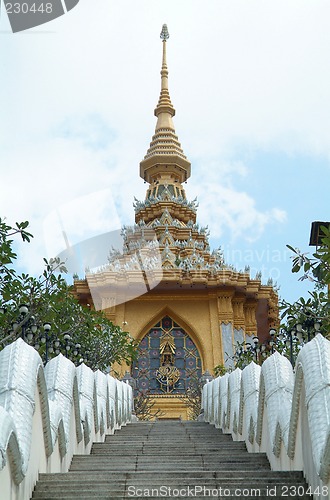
(106, 460)
(120, 496)
(178, 443)
(120, 485)
(136, 492)
(167, 456)
(191, 445)
(263, 494)
(153, 449)
(164, 460)
(151, 444)
(80, 477)
(177, 453)
(151, 468)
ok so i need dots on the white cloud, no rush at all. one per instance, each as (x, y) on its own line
(224, 208)
(254, 72)
(80, 219)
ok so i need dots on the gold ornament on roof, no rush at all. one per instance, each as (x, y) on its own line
(167, 344)
(167, 374)
(164, 35)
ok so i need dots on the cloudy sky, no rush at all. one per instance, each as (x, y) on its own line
(250, 81)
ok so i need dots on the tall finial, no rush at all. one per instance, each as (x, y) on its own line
(164, 33)
(165, 155)
(164, 110)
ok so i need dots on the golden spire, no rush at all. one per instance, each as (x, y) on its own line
(165, 155)
(164, 110)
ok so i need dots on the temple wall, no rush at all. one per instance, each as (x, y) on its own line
(215, 322)
(194, 314)
(216, 318)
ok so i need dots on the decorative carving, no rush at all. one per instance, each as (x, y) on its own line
(167, 374)
(164, 35)
(168, 360)
(238, 309)
(166, 218)
(225, 307)
(167, 344)
(250, 317)
(164, 196)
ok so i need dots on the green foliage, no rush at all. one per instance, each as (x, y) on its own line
(220, 370)
(193, 399)
(244, 355)
(315, 268)
(316, 306)
(49, 298)
(7, 255)
(304, 311)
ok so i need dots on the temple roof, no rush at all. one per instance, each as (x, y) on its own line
(166, 249)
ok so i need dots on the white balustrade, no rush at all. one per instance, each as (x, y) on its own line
(279, 411)
(49, 414)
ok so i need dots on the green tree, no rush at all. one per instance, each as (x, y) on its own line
(301, 316)
(315, 267)
(79, 332)
(193, 399)
(220, 370)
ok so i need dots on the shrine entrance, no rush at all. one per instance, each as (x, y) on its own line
(168, 364)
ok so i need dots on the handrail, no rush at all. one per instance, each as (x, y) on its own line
(281, 412)
(49, 414)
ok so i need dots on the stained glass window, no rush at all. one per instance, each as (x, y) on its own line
(186, 359)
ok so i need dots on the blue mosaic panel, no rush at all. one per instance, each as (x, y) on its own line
(187, 359)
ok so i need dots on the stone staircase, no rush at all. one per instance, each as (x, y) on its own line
(170, 459)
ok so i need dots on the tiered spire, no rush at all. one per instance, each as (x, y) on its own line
(166, 210)
(165, 157)
(170, 248)
(164, 110)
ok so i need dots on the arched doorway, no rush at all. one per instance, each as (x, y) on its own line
(168, 361)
